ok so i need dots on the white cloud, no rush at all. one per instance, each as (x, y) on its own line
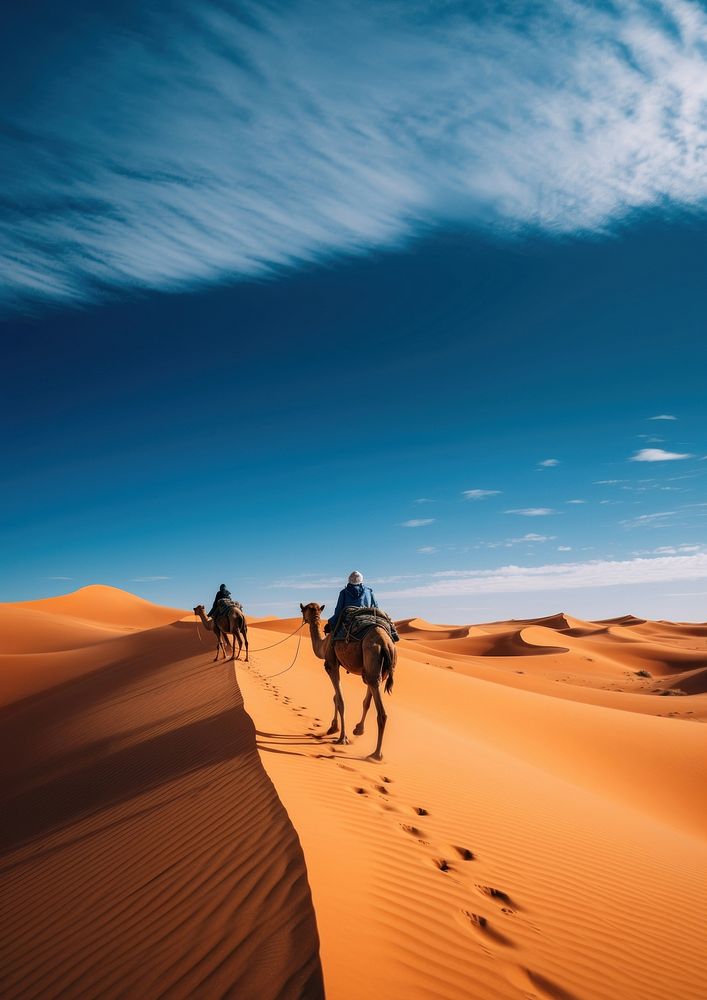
(532, 511)
(302, 583)
(480, 494)
(670, 550)
(564, 548)
(424, 500)
(558, 576)
(60, 578)
(663, 416)
(427, 550)
(656, 520)
(658, 455)
(216, 142)
(508, 543)
(148, 579)
(549, 463)
(575, 501)
(418, 522)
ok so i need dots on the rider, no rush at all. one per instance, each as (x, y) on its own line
(222, 594)
(354, 595)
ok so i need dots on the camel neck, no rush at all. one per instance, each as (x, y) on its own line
(318, 640)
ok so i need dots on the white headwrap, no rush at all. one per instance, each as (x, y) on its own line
(355, 577)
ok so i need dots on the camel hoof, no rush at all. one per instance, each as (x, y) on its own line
(331, 730)
(358, 730)
(376, 756)
(343, 740)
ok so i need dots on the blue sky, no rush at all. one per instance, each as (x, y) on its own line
(297, 288)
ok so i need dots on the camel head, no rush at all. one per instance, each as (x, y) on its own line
(198, 608)
(312, 613)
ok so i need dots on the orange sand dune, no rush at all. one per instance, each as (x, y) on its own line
(144, 852)
(107, 605)
(537, 830)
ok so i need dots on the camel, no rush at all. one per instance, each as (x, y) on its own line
(232, 624)
(373, 659)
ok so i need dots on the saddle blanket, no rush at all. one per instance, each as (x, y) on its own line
(356, 623)
(224, 607)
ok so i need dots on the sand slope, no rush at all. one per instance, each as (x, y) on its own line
(144, 852)
(525, 837)
(537, 830)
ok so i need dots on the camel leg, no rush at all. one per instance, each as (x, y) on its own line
(334, 727)
(358, 728)
(338, 701)
(218, 643)
(331, 667)
(245, 640)
(236, 635)
(382, 719)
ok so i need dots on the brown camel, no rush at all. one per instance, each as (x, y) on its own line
(233, 624)
(373, 659)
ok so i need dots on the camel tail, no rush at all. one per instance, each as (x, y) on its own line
(388, 668)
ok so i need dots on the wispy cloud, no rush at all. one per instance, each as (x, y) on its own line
(428, 550)
(658, 455)
(480, 494)
(424, 500)
(508, 543)
(657, 520)
(418, 522)
(663, 416)
(549, 463)
(148, 579)
(60, 578)
(575, 501)
(217, 140)
(558, 576)
(533, 511)
(671, 550)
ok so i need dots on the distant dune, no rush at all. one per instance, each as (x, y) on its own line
(538, 828)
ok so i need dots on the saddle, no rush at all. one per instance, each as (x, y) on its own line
(356, 623)
(224, 607)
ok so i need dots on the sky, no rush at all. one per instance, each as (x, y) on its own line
(291, 289)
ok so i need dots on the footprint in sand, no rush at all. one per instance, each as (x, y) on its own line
(481, 926)
(360, 791)
(420, 810)
(464, 853)
(533, 985)
(498, 895)
(415, 832)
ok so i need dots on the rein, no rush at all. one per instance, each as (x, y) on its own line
(266, 677)
(271, 646)
(279, 641)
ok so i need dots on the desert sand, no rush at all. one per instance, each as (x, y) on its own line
(179, 828)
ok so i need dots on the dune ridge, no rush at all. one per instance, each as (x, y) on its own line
(144, 851)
